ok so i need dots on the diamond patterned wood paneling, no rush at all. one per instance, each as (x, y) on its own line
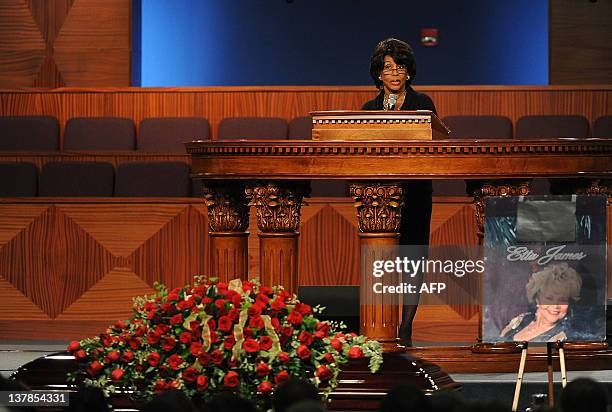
(70, 268)
(18, 30)
(328, 246)
(116, 289)
(60, 259)
(15, 218)
(71, 264)
(171, 253)
(49, 15)
(54, 43)
(102, 220)
(16, 306)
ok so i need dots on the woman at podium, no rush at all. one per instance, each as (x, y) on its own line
(393, 67)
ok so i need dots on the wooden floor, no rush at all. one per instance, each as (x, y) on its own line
(460, 359)
(433, 369)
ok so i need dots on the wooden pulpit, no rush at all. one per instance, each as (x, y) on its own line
(377, 125)
(376, 150)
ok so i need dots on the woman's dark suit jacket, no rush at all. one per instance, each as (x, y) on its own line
(416, 214)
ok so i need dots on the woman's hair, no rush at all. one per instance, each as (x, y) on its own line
(400, 51)
(558, 278)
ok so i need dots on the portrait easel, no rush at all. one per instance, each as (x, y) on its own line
(550, 346)
(549, 367)
(519, 377)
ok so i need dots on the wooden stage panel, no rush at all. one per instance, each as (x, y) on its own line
(103, 252)
(53, 261)
(16, 307)
(329, 244)
(56, 330)
(460, 359)
(110, 298)
(70, 262)
(443, 323)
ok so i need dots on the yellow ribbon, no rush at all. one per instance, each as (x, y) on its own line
(276, 346)
(236, 284)
(204, 317)
(239, 335)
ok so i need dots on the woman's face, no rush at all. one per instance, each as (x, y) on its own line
(552, 306)
(393, 76)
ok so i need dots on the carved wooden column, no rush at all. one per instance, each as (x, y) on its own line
(228, 221)
(278, 217)
(379, 209)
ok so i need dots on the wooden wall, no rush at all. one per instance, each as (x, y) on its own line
(216, 103)
(580, 42)
(54, 43)
(70, 267)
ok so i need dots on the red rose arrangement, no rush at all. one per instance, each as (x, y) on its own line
(218, 336)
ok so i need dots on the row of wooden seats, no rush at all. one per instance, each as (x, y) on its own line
(527, 127)
(99, 179)
(151, 179)
(132, 178)
(41, 133)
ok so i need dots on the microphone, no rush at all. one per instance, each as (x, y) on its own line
(391, 100)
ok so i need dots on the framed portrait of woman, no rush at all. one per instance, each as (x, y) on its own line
(545, 269)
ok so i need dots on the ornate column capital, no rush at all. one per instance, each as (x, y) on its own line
(596, 187)
(278, 205)
(379, 206)
(581, 186)
(228, 209)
